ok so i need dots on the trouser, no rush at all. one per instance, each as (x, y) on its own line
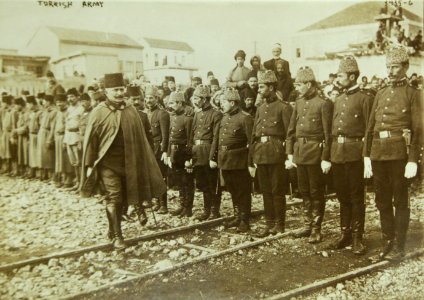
(311, 187)
(163, 199)
(293, 180)
(207, 182)
(185, 184)
(238, 183)
(391, 190)
(348, 179)
(74, 155)
(273, 181)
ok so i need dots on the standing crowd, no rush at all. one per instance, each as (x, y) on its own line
(260, 131)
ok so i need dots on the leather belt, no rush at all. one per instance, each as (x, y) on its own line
(344, 139)
(233, 146)
(202, 142)
(178, 146)
(387, 133)
(73, 130)
(267, 138)
(309, 139)
(36, 132)
(60, 133)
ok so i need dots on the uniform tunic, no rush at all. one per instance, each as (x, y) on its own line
(159, 121)
(33, 128)
(46, 138)
(8, 124)
(22, 137)
(62, 164)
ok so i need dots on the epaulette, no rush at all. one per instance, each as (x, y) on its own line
(245, 113)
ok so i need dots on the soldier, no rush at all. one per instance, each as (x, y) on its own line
(63, 167)
(33, 127)
(39, 99)
(72, 138)
(116, 153)
(7, 127)
(45, 139)
(235, 135)
(248, 102)
(179, 153)
(308, 148)
(159, 121)
(392, 148)
(21, 135)
(214, 86)
(86, 105)
(53, 87)
(204, 144)
(269, 132)
(350, 118)
(188, 93)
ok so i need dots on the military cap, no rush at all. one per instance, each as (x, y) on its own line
(198, 79)
(240, 53)
(7, 99)
(266, 76)
(99, 96)
(49, 98)
(114, 80)
(72, 91)
(50, 74)
(231, 94)
(305, 74)
(177, 96)
(133, 91)
(60, 97)
(151, 90)
(209, 73)
(248, 93)
(348, 64)
(25, 93)
(19, 101)
(41, 95)
(90, 88)
(170, 78)
(31, 100)
(85, 96)
(201, 91)
(214, 82)
(397, 55)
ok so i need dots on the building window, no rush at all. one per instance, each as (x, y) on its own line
(156, 60)
(129, 67)
(165, 61)
(183, 60)
(147, 58)
(298, 54)
(139, 66)
(120, 66)
(175, 59)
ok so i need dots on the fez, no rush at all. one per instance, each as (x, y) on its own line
(249, 93)
(397, 55)
(305, 74)
(41, 95)
(49, 98)
(214, 82)
(240, 53)
(31, 100)
(177, 97)
(210, 73)
(114, 80)
(198, 79)
(266, 76)
(72, 91)
(7, 99)
(133, 91)
(90, 88)
(19, 101)
(348, 64)
(25, 93)
(60, 97)
(85, 96)
(201, 91)
(50, 74)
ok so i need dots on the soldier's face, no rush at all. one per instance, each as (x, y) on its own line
(18, 107)
(198, 101)
(172, 86)
(264, 90)
(253, 82)
(214, 88)
(396, 71)
(72, 99)
(61, 105)
(249, 102)
(161, 93)
(151, 101)
(276, 52)
(116, 93)
(226, 105)
(302, 88)
(343, 79)
(86, 104)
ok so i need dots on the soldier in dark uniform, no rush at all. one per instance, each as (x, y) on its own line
(350, 118)
(235, 135)
(269, 133)
(308, 148)
(159, 122)
(204, 145)
(179, 153)
(53, 87)
(188, 93)
(392, 148)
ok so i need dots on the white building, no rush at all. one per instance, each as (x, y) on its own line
(339, 33)
(168, 58)
(91, 53)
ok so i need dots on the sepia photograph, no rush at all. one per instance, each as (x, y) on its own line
(211, 149)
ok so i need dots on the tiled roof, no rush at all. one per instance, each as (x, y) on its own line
(166, 44)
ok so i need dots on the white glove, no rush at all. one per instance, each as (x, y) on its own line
(164, 157)
(212, 164)
(289, 162)
(169, 163)
(252, 171)
(325, 166)
(367, 167)
(411, 169)
(89, 171)
(188, 163)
